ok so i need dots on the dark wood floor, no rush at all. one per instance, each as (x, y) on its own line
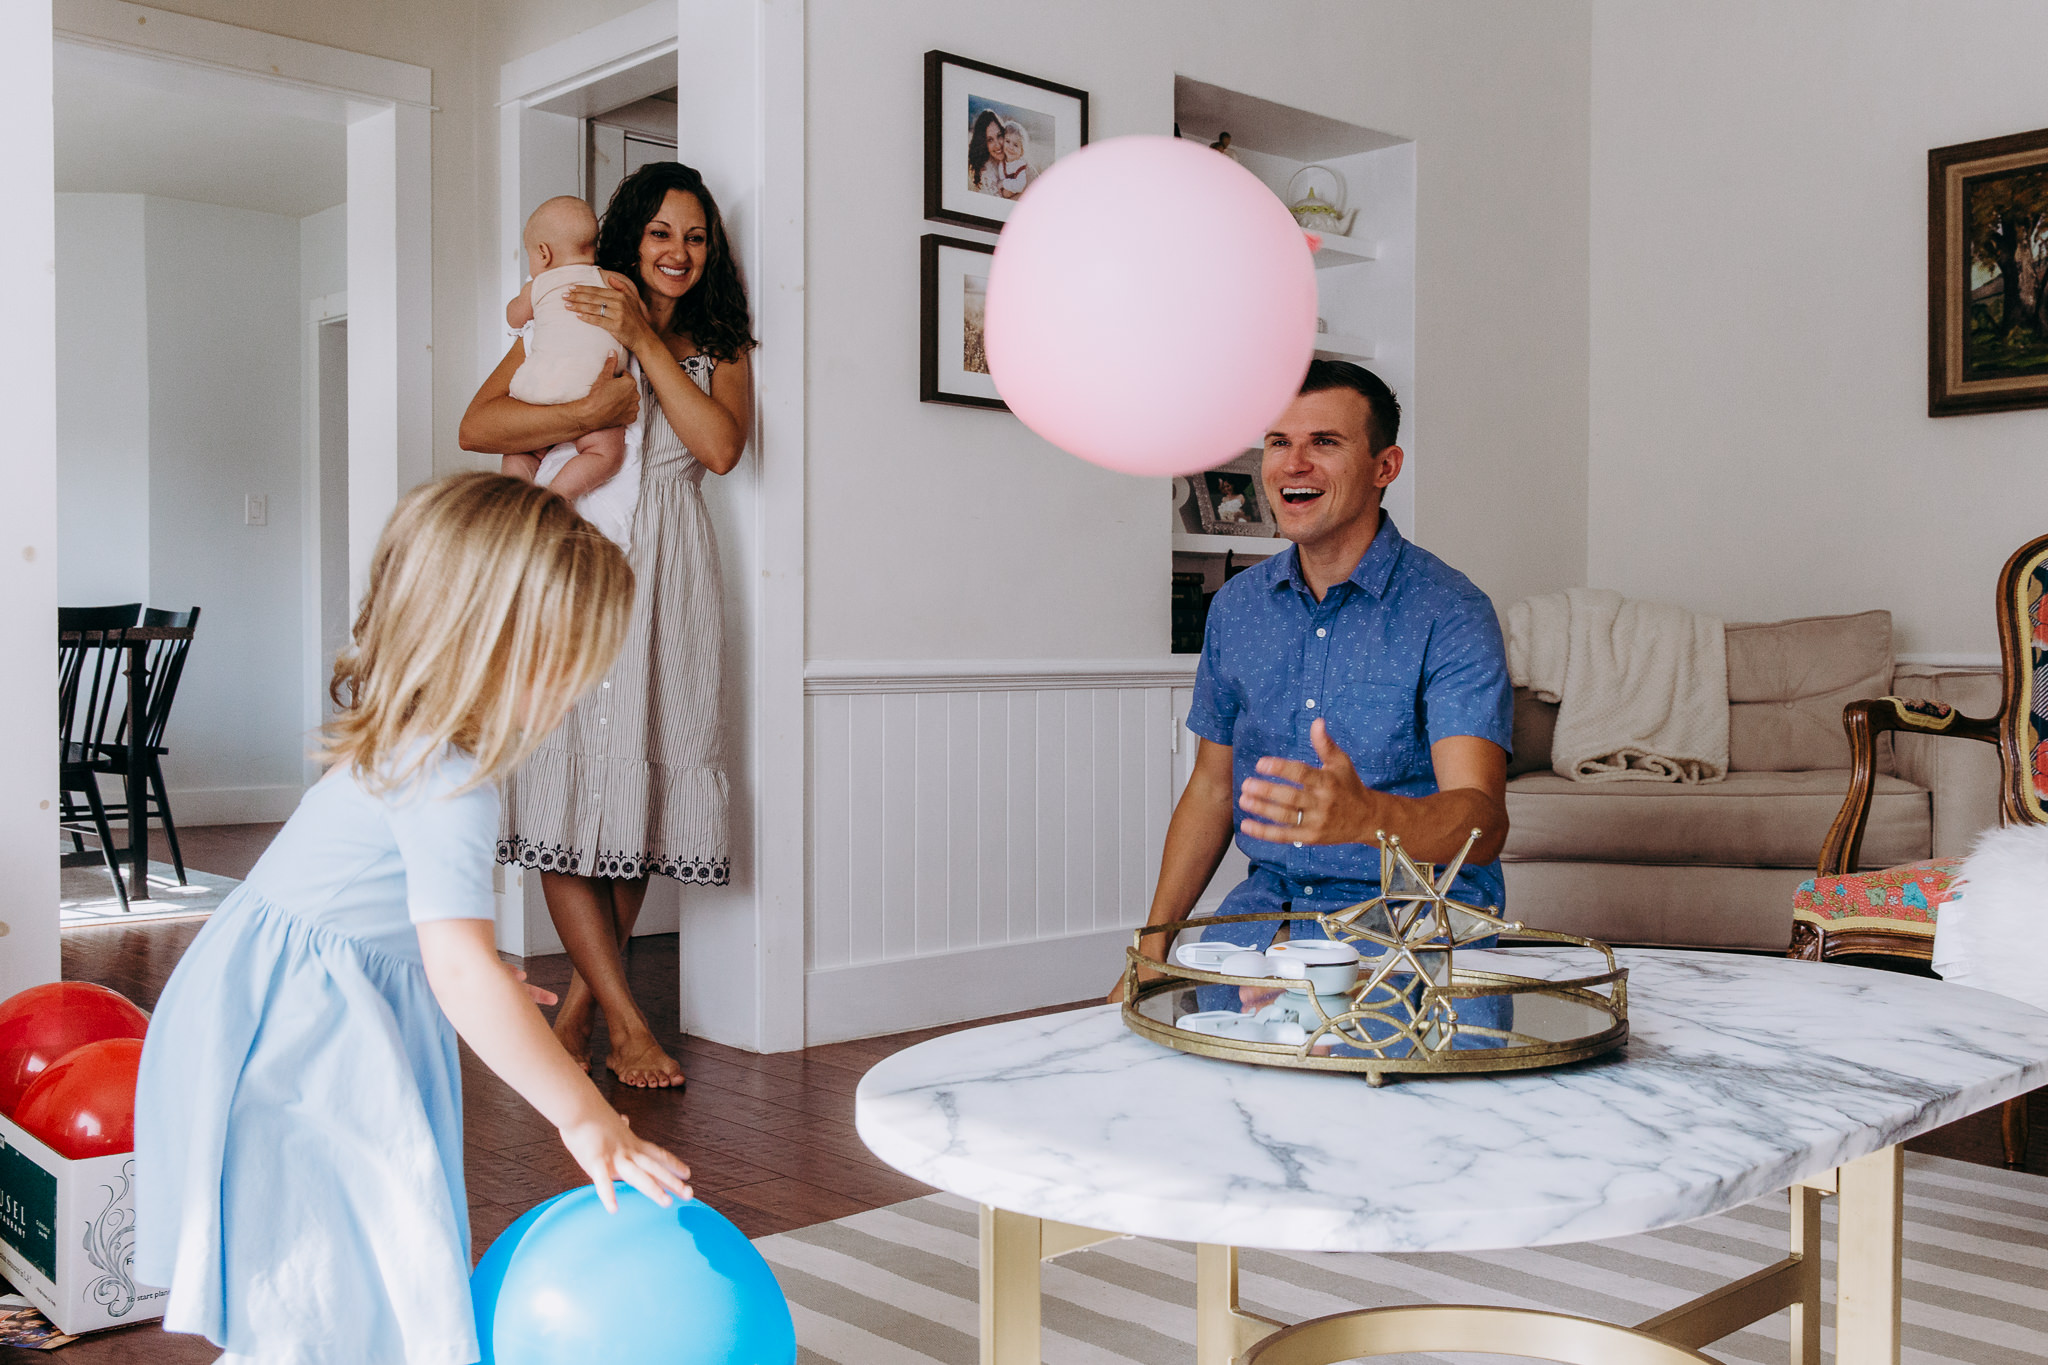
(770, 1140)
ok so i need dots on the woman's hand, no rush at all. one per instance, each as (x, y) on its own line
(617, 312)
(604, 1146)
(613, 401)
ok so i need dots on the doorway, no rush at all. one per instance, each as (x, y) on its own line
(333, 614)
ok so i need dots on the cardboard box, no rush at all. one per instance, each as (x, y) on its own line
(67, 1234)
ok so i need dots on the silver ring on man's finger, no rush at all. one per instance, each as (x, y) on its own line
(604, 310)
(1298, 815)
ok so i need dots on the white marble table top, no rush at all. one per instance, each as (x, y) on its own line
(1741, 1076)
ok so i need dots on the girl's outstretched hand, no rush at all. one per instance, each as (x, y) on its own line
(605, 1147)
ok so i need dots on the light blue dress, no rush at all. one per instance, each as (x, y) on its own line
(298, 1120)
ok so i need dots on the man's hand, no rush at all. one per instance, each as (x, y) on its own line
(1309, 804)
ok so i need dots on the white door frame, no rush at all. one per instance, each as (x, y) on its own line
(29, 952)
(390, 432)
(741, 122)
(386, 107)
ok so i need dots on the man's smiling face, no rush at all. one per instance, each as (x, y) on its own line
(1320, 472)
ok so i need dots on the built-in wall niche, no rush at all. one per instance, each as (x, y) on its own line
(1365, 275)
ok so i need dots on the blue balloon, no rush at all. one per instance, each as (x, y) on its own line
(648, 1285)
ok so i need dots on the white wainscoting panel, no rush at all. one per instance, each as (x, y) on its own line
(980, 842)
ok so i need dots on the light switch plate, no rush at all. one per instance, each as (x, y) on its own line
(256, 510)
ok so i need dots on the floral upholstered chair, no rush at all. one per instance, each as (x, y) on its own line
(1891, 912)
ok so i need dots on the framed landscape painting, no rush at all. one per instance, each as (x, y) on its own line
(952, 367)
(988, 133)
(1987, 275)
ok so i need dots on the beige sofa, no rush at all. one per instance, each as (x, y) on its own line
(1716, 864)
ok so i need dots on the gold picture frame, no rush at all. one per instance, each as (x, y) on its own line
(1987, 275)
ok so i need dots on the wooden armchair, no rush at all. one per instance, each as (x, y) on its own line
(1892, 912)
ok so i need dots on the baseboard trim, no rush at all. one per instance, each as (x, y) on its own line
(233, 805)
(874, 998)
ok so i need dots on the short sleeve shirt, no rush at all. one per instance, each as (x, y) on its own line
(1405, 652)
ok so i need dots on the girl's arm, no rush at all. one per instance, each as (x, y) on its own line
(499, 424)
(713, 426)
(519, 312)
(520, 466)
(496, 1017)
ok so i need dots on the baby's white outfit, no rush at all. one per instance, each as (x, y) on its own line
(564, 357)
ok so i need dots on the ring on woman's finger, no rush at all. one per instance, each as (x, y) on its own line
(1299, 812)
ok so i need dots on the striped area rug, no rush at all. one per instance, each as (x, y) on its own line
(898, 1286)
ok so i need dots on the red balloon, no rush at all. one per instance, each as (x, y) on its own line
(84, 1104)
(43, 1023)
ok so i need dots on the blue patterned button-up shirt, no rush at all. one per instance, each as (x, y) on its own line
(1405, 652)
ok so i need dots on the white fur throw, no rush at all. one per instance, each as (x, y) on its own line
(1641, 688)
(1994, 934)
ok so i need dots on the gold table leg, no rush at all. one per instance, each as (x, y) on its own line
(1223, 1331)
(1869, 1258)
(1805, 1241)
(1009, 1288)
(1012, 1248)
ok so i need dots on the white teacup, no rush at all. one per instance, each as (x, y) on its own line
(1330, 967)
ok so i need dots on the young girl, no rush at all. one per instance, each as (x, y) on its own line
(299, 1113)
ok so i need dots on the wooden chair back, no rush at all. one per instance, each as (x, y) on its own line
(166, 638)
(2023, 718)
(91, 691)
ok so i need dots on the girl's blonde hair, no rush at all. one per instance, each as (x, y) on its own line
(492, 606)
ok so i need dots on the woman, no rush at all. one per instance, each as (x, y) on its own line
(631, 783)
(985, 153)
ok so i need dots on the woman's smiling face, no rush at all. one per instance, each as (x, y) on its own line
(992, 138)
(674, 245)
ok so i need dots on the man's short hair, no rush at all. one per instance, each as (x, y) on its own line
(1383, 420)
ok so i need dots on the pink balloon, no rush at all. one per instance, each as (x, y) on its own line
(1151, 306)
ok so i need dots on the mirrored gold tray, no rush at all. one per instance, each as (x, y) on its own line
(1431, 995)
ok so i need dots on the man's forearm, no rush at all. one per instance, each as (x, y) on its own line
(1196, 838)
(1434, 828)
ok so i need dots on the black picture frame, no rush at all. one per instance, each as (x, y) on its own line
(1066, 111)
(937, 380)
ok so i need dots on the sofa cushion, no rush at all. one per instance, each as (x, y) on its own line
(1788, 682)
(1751, 819)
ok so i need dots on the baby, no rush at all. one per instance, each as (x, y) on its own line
(1016, 167)
(565, 356)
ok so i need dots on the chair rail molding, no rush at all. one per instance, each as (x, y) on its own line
(855, 676)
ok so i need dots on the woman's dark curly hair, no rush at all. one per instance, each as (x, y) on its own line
(977, 143)
(714, 314)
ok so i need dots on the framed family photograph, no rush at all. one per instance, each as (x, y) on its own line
(952, 367)
(1232, 500)
(988, 133)
(1987, 275)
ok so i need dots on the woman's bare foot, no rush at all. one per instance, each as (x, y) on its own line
(574, 1021)
(640, 1062)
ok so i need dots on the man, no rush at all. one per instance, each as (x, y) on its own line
(1351, 684)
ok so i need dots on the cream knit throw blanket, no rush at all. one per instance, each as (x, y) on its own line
(1641, 688)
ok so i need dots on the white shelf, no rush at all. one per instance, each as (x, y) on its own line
(1185, 543)
(1343, 347)
(1337, 250)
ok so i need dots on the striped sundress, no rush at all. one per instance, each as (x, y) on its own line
(632, 782)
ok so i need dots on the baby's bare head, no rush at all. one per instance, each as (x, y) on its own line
(567, 229)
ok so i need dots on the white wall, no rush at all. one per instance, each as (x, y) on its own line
(225, 422)
(941, 532)
(28, 552)
(102, 401)
(1760, 443)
